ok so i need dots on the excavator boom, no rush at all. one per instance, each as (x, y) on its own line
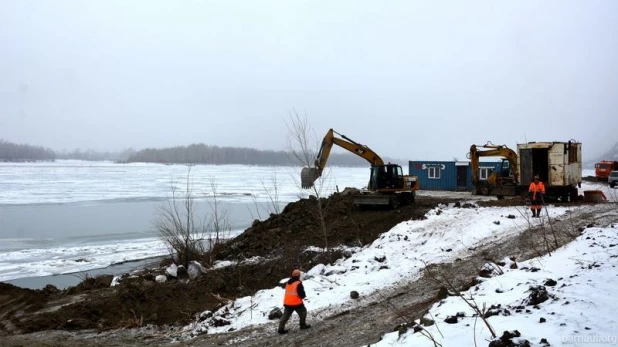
(309, 175)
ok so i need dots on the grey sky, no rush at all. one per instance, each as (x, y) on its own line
(411, 79)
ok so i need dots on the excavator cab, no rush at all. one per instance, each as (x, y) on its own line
(388, 176)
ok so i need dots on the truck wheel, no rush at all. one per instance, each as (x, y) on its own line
(612, 185)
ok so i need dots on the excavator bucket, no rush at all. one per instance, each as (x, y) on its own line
(308, 175)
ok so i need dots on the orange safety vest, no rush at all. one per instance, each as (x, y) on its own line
(291, 297)
(537, 187)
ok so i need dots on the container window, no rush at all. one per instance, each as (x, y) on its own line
(434, 172)
(485, 172)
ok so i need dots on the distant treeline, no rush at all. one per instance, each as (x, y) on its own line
(192, 154)
(93, 155)
(205, 154)
(16, 152)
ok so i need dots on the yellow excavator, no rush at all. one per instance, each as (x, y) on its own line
(503, 182)
(387, 186)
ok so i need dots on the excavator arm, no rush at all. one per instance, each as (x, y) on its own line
(308, 175)
(491, 151)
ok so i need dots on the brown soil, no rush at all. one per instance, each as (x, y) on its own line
(280, 241)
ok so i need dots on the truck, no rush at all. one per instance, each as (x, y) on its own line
(387, 185)
(603, 168)
(558, 165)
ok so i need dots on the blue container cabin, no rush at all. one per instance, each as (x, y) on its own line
(449, 175)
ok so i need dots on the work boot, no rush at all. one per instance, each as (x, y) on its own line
(533, 213)
(280, 331)
(306, 326)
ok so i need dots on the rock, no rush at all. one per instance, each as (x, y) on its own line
(219, 322)
(550, 282)
(510, 216)
(380, 259)
(506, 340)
(172, 270)
(451, 319)
(544, 342)
(513, 265)
(427, 321)
(205, 315)
(442, 293)
(496, 310)
(103, 281)
(350, 191)
(50, 289)
(316, 271)
(354, 294)
(335, 270)
(275, 313)
(182, 274)
(161, 279)
(489, 270)
(538, 294)
(542, 320)
(195, 270)
(497, 222)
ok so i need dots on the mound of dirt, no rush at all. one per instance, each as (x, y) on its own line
(297, 237)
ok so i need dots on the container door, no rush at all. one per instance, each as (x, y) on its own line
(462, 176)
(525, 165)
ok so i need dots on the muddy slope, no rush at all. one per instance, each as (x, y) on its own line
(279, 241)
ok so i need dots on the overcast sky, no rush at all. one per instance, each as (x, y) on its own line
(415, 80)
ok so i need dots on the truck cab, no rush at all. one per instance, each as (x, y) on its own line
(603, 168)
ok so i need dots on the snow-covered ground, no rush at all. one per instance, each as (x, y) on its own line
(447, 233)
(580, 280)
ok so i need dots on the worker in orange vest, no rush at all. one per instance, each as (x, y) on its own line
(293, 301)
(536, 190)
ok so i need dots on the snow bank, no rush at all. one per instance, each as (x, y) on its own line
(580, 280)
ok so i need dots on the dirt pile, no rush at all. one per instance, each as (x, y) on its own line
(281, 243)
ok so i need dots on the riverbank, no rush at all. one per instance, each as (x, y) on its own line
(387, 270)
(72, 279)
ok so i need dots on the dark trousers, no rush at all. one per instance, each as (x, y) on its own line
(287, 312)
(536, 204)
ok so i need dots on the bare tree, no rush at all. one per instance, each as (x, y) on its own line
(303, 152)
(270, 188)
(177, 226)
(218, 226)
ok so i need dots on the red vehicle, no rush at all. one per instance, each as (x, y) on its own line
(603, 168)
